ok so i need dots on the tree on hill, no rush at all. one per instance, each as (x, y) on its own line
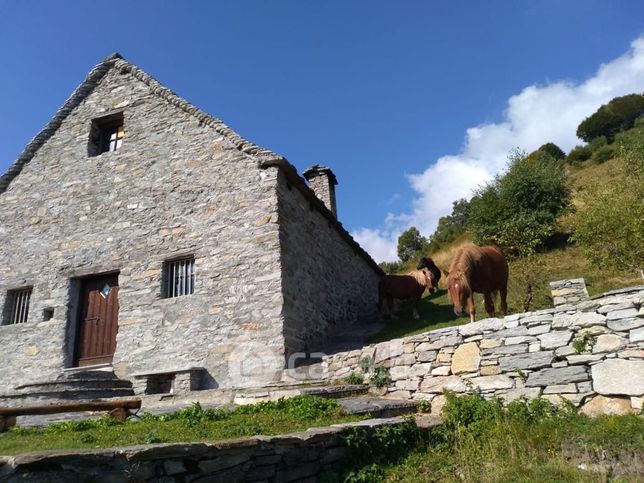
(552, 150)
(616, 116)
(609, 223)
(410, 244)
(518, 209)
(451, 226)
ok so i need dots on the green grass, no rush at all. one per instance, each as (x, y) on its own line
(435, 312)
(190, 425)
(529, 441)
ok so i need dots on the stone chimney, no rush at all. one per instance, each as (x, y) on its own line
(322, 181)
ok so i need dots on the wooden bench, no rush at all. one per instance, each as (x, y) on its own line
(117, 409)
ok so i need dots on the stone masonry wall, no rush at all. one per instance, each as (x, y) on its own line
(294, 457)
(175, 187)
(325, 281)
(590, 353)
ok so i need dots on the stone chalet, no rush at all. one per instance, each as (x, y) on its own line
(141, 235)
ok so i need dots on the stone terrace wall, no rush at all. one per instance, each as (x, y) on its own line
(293, 457)
(532, 354)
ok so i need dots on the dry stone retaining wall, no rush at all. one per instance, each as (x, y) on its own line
(293, 457)
(590, 353)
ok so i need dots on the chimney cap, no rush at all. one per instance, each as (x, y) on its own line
(317, 170)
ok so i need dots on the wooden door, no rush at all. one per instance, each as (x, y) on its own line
(98, 321)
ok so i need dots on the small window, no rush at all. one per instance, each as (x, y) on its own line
(106, 134)
(18, 303)
(179, 277)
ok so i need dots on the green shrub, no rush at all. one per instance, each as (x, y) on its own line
(639, 122)
(608, 223)
(518, 210)
(603, 154)
(579, 154)
(382, 445)
(616, 116)
(597, 143)
(552, 150)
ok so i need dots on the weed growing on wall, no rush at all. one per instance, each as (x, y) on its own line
(380, 377)
(581, 344)
(354, 378)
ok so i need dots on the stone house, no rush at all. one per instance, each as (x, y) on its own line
(139, 233)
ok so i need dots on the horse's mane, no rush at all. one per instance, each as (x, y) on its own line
(464, 261)
(419, 275)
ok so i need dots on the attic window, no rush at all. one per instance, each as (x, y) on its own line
(18, 306)
(106, 134)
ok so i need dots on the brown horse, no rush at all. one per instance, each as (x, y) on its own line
(410, 286)
(428, 263)
(481, 270)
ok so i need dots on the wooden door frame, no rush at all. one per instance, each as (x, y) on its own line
(79, 311)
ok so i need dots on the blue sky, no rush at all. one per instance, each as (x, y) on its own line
(411, 103)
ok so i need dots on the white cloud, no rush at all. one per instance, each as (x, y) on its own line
(538, 114)
(381, 245)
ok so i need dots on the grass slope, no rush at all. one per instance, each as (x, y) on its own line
(189, 425)
(484, 441)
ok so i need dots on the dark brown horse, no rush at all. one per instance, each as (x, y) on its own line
(428, 263)
(481, 270)
(410, 286)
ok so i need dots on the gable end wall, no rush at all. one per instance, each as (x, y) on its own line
(175, 187)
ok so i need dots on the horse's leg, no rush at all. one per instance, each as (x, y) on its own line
(415, 315)
(390, 304)
(471, 308)
(489, 303)
(503, 291)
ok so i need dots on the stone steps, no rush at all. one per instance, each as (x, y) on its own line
(74, 386)
(52, 397)
(378, 407)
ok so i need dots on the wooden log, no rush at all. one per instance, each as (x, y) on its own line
(119, 409)
(72, 407)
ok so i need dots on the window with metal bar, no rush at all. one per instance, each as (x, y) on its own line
(179, 277)
(18, 301)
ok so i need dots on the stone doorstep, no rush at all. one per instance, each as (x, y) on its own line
(107, 367)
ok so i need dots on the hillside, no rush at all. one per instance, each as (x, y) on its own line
(563, 259)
